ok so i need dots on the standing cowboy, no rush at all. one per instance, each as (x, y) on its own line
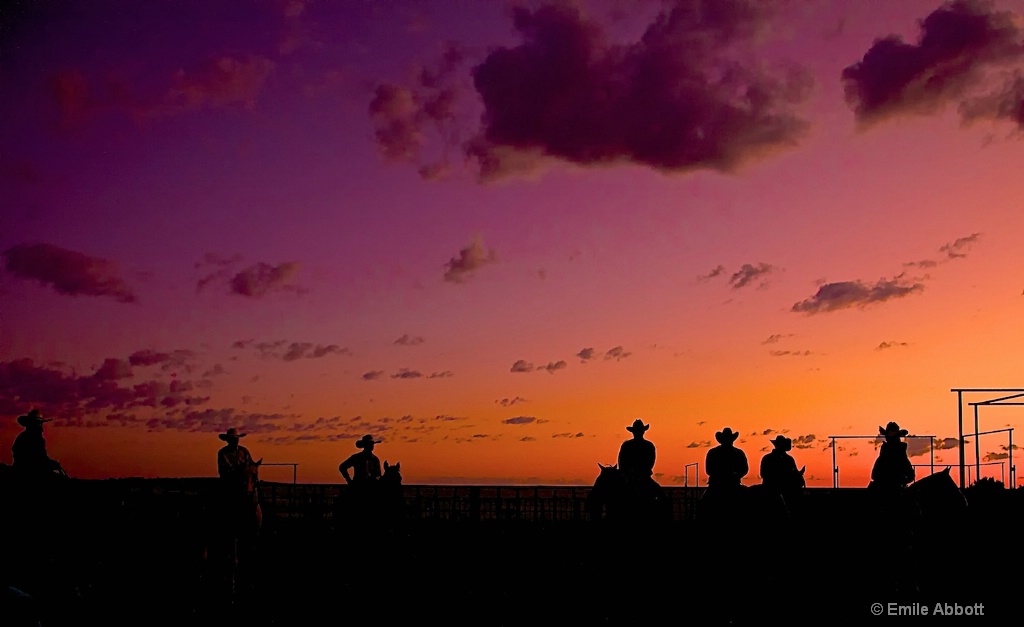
(29, 449)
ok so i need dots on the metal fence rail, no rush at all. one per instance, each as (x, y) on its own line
(311, 502)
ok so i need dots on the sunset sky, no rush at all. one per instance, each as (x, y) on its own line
(493, 234)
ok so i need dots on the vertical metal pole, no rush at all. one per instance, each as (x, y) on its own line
(931, 448)
(1013, 471)
(960, 423)
(835, 469)
(977, 447)
(697, 480)
(295, 473)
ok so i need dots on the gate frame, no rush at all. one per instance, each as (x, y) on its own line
(1012, 399)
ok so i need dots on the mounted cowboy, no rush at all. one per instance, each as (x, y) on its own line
(892, 471)
(726, 464)
(637, 455)
(234, 462)
(779, 473)
(31, 461)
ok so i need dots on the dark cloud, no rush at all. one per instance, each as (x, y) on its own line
(307, 350)
(847, 294)
(957, 249)
(373, 375)
(701, 444)
(617, 353)
(958, 46)
(716, 271)
(95, 399)
(291, 351)
(749, 273)
(406, 373)
(521, 365)
(68, 272)
(885, 345)
(180, 359)
(552, 366)
(519, 420)
(803, 441)
(262, 278)
(776, 338)
(674, 100)
(113, 369)
(469, 260)
(586, 354)
(218, 420)
(508, 402)
(1006, 103)
(917, 447)
(444, 374)
(409, 340)
(787, 353)
(568, 435)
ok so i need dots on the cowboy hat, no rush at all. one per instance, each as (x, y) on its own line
(726, 435)
(638, 426)
(231, 434)
(365, 441)
(32, 418)
(893, 430)
(782, 442)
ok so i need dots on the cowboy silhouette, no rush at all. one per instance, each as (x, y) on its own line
(726, 464)
(779, 473)
(892, 470)
(637, 455)
(233, 460)
(31, 460)
(362, 467)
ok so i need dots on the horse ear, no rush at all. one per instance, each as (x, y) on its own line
(259, 461)
(398, 465)
(803, 469)
(385, 464)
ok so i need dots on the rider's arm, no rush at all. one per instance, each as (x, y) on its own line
(344, 467)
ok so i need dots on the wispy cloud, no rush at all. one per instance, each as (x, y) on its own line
(468, 261)
(68, 272)
(847, 294)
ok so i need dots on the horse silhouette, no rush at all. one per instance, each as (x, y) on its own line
(240, 522)
(374, 505)
(390, 497)
(614, 498)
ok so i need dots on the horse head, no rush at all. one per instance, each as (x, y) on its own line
(392, 473)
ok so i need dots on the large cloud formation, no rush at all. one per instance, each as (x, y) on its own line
(962, 46)
(675, 100)
(683, 96)
(68, 272)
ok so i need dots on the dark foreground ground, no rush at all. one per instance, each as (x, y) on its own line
(81, 568)
(571, 574)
